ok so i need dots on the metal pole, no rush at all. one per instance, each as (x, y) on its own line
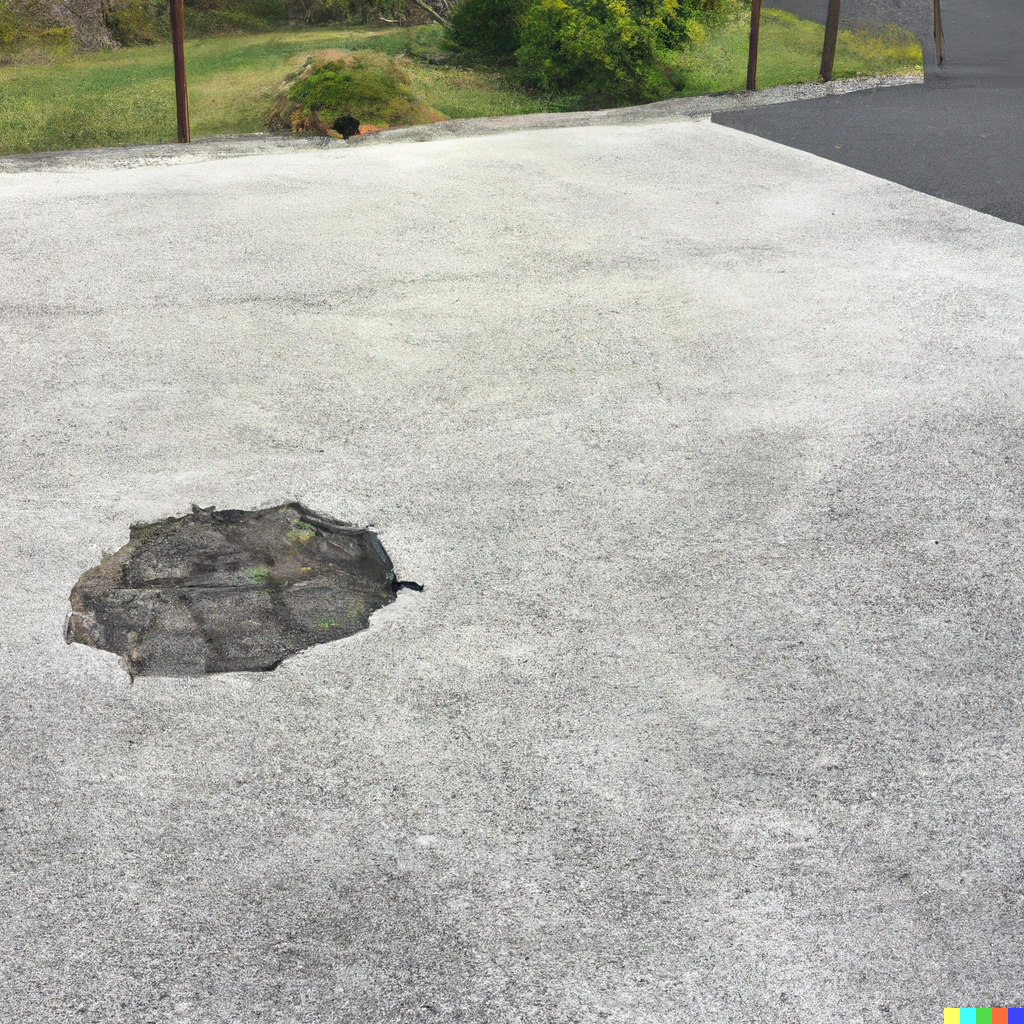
(938, 34)
(180, 88)
(755, 31)
(828, 50)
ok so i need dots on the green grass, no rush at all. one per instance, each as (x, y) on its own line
(789, 50)
(127, 96)
(462, 92)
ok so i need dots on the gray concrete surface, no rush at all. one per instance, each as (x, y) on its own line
(709, 452)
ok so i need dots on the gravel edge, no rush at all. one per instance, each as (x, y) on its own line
(227, 146)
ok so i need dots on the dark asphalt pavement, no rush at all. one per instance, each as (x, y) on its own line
(959, 137)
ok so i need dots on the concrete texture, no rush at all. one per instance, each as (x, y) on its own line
(709, 453)
(960, 138)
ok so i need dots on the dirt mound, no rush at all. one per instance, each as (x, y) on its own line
(373, 88)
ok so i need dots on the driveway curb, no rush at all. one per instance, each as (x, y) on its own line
(227, 146)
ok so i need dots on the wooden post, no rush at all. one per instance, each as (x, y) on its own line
(180, 87)
(938, 34)
(828, 50)
(755, 31)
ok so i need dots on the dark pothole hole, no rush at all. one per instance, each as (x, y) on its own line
(231, 591)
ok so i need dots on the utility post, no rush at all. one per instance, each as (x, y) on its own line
(180, 87)
(828, 50)
(938, 35)
(755, 31)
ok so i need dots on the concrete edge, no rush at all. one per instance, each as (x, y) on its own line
(222, 147)
(683, 108)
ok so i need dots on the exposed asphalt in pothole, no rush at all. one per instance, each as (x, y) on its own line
(231, 590)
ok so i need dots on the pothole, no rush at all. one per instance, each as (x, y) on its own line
(231, 591)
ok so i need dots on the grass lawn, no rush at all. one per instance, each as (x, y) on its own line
(116, 97)
(127, 96)
(789, 50)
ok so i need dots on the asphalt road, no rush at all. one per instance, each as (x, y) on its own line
(960, 137)
(709, 453)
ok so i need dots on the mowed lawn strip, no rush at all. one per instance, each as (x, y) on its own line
(126, 96)
(789, 51)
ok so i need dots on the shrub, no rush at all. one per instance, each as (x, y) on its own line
(31, 31)
(369, 86)
(10, 29)
(320, 12)
(711, 13)
(490, 27)
(601, 48)
(210, 17)
(133, 23)
(31, 46)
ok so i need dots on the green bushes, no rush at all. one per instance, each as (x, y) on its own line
(713, 13)
(29, 33)
(322, 12)
(212, 17)
(371, 87)
(33, 30)
(491, 27)
(598, 50)
(134, 22)
(144, 22)
(27, 46)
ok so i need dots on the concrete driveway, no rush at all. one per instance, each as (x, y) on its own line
(709, 453)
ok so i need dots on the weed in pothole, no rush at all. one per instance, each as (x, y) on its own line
(231, 591)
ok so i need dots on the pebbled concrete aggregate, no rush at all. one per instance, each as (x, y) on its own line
(709, 454)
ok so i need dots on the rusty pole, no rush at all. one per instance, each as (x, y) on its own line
(755, 31)
(180, 87)
(828, 50)
(938, 34)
